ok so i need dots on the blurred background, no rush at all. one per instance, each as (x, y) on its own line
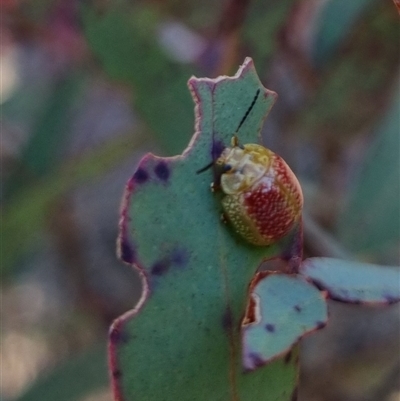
(88, 87)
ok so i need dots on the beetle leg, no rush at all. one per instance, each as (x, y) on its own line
(235, 141)
(224, 218)
(215, 187)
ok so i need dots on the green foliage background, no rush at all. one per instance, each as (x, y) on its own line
(336, 123)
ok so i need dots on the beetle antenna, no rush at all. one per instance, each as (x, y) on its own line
(235, 139)
(205, 168)
(248, 110)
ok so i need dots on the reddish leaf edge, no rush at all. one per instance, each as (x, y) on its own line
(324, 288)
(125, 246)
(378, 304)
(193, 82)
(116, 337)
(250, 317)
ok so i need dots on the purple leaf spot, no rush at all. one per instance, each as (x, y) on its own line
(390, 299)
(256, 359)
(162, 171)
(270, 327)
(140, 176)
(227, 319)
(179, 257)
(161, 267)
(318, 285)
(116, 374)
(117, 336)
(127, 253)
(320, 325)
(217, 148)
(297, 308)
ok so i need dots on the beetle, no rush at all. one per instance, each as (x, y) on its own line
(262, 198)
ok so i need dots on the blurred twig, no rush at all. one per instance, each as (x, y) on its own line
(65, 230)
(320, 242)
(397, 4)
(390, 384)
(228, 34)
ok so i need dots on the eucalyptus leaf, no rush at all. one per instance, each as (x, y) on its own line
(183, 341)
(124, 39)
(354, 281)
(284, 309)
(370, 220)
(329, 35)
(41, 155)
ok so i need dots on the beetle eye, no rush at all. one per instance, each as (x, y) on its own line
(226, 168)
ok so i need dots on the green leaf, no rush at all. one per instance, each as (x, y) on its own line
(329, 33)
(261, 29)
(42, 152)
(283, 308)
(75, 378)
(182, 342)
(27, 210)
(124, 40)
(345, 101)
(354, 281)
(370, 221)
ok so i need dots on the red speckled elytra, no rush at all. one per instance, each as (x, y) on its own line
(262, 197)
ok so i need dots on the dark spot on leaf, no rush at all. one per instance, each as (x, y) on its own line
(217, 148)
(161, 267)
(179, 257)
(140, 176)
(288, 357)
(118, 336)
(297, 308)
(320, 325)
(227, 319)
(318, 285)
(390, 299)
(270, 327)
(162, 171)
(116, 374)
(127, 253)
(256, 359)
